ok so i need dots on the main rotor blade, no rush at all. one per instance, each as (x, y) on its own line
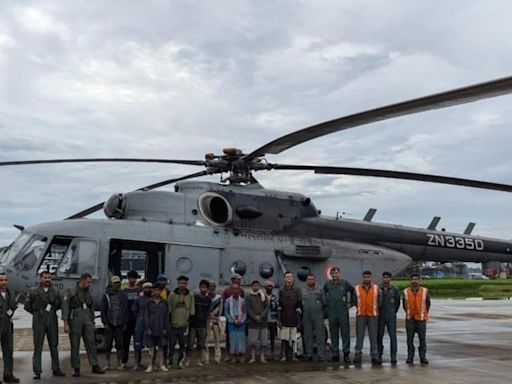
(440, 100)
(99, 206)
(397, 175)
(101, 159)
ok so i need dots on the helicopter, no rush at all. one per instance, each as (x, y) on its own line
(209, 230)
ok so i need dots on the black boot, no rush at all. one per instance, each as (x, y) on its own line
(346, 358)
(58, 373)
(334, 358)
(76, 372)
(358, 358)
(98, 370)
(37, 376)
(410, 360)
(423, 361)
(11, 379)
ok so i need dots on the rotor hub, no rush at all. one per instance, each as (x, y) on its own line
(236, 164)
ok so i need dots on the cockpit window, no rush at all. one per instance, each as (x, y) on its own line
(30, 253)
(12, 250)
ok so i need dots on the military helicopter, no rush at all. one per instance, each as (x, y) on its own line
(210, 230)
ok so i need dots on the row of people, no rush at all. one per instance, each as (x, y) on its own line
(158, 318)
(306, 309)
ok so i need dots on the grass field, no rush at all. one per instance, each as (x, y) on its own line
(461, 288)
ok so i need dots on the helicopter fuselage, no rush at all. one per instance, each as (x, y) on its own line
(210, 231)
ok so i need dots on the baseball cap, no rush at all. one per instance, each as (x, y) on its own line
(115, 279)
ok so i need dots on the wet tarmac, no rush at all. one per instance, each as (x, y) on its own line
(469, 341)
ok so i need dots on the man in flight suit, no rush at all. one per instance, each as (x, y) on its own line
(387, 316)
(78, 316)
(42, 303)
(313, 307)
(7, 308)
(339, 294)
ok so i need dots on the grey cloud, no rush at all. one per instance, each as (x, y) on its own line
(180, 79)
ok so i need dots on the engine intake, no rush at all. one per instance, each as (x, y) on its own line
(215, 209)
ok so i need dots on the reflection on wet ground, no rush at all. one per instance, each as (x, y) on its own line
(468, 342)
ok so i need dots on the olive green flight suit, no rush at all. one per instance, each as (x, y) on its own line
(78, 310)
(314, 304)
(387, 318)
(7, 308)
(43, 306)
(339, 299)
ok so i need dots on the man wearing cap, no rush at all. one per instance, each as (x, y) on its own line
(272, 315)
(114, 315)
(163, 280)
(132, 292)
(138, 308)
(226, 294)
(181, 308)
(387, 315)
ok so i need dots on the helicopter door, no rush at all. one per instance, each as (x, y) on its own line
(195, 262)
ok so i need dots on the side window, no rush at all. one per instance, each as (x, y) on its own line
(133, 260)
(80, 257)
(54, 254)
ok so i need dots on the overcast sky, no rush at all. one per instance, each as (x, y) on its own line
(178, 79)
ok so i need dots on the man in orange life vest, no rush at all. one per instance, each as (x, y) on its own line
(368, 299)
(416, 306)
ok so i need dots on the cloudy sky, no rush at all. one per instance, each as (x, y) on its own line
(177, 79)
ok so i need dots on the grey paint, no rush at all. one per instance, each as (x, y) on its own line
(288, 235)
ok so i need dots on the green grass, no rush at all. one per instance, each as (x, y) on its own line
(461, 288)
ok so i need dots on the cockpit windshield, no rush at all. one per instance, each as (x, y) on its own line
(14, 248)
(24, 252)
(30, 253)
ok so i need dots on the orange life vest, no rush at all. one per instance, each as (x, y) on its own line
(416, 304)
(367, 302)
